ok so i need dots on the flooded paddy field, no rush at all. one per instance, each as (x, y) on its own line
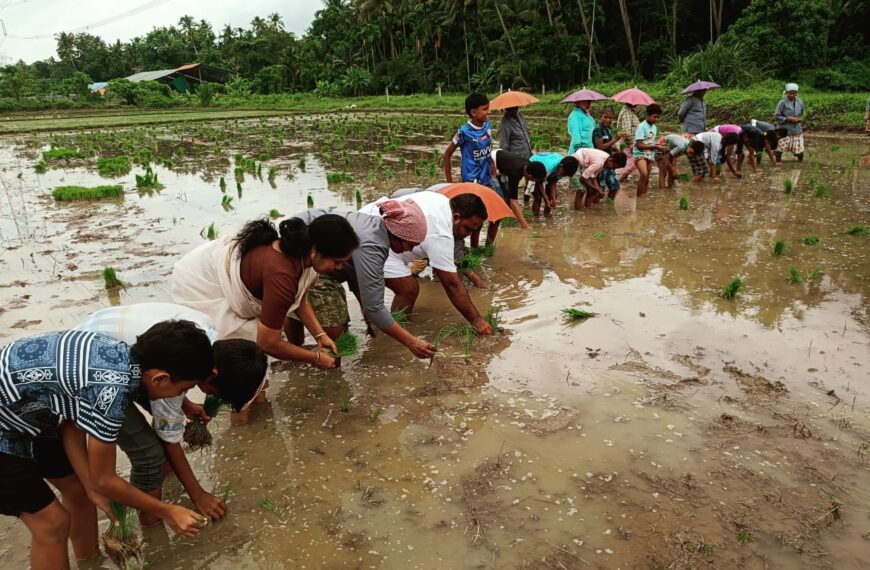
(674, 429)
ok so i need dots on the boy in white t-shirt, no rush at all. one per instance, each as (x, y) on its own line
(240, 368)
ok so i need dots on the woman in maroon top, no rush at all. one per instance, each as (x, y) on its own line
(278, 267)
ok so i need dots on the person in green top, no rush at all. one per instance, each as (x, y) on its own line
(580, 127)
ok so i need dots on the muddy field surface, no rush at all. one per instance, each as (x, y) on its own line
(674, 429)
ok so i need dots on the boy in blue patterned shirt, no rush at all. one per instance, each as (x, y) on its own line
(474, 139)
(77, 386)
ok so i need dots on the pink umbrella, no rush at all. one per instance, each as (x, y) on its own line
(633, 96)
(583, 95)
(701, 86)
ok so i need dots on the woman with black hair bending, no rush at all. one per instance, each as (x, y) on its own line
(248, 283)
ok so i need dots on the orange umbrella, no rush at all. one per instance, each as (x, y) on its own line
(496, 208)
(512, 99)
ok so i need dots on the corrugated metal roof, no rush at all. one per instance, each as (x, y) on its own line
(150, 75)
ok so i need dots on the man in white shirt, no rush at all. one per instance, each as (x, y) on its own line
(240, 368)
(447, 220)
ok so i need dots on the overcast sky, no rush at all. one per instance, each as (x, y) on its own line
(48, 17)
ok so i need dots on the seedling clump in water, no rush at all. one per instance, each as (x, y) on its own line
(471, 261)
(684, 203)
(858, 231)
(811, 240)
(210, 232)
(574, 314)
(373, 419)
(223, 184)
(111, 278)
(196, 433)
(493, 317)
(121, 543)
(788, 185)
(794, 276)
(401, 316)
(310, 201)
(113, 167)
(275, 214)
(599, 235)
(735, 286)
(148, 181)
(346, 397)
(779, 248)
(463, 331)
(821, 191)
(487, 250)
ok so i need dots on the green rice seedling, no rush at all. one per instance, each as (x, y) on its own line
(388, 173)
(858, 231)
(275, 214)
(493, 317)
(373, 419)
(71, 193)
(110, 278)
(40, 167)
(120, 542)
(780, 247)
(61, 153)
(347, 344)
(237, 158)
(264, 156)
(684, 176)
(238, 189)
(338, 178)
(196, 433)
(401, 316)
(821, 191)
(684, 203)
(734, 286)
(346, 397)
(239, 173)
(148, 181)
(113, 167)
(223, 184)
(599, 235)
(321, 388)
(358, 197)
(269, 506)
(487, 250)
(788, 185)
(211, 232)
(301, 163)
(835, 147)
(471, 262)
(463, 331)
(574, 314)
(811, 240)
(166, 162)
(227, 202)
(225, 494)
(260, 170)
(794, 276)
(273, 172)
(814, 274)
(310, 201)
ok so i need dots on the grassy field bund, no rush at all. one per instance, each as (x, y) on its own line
(825, 110)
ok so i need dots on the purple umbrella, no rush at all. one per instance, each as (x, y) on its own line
(701, 86)
(583, 95)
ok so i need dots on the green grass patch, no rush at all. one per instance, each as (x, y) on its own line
(73, 193)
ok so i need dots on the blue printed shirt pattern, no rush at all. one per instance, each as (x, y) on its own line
(475, 143)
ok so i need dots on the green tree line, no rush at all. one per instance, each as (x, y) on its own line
(361, 47)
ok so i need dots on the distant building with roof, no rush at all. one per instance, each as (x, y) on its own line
(181, 78)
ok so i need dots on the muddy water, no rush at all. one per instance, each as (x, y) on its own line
(675, 429)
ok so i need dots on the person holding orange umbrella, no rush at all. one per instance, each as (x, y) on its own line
(447, 220)
(513, 131)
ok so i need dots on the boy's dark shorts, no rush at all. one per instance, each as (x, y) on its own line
(22, 481)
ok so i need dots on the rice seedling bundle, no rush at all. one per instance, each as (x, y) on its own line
(471, 261)
(794, 276)
(732, 288)
(821, 191)
(493, 317)
(238, 189)
(61, 153)
(227, 201)
(358, 197)
(310, 201)
(211, 232)
(858, 231)
(487, 250)
(196, 433)
(463, 331)
(272, 172)
(780, 247)
(110, 277)
(599, 235)
(120, 542)
(275, 214)
(113, 167)
(574, 314)
(400, 316)
(814, 274)
(148, 180)
(788, 185)
(347, 344)
(223, 184)
(684, 203)
(71, 193)
(301, 163)
(346, 397)
(811, 240)
(40, 167)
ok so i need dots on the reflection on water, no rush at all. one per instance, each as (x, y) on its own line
(554, 445)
